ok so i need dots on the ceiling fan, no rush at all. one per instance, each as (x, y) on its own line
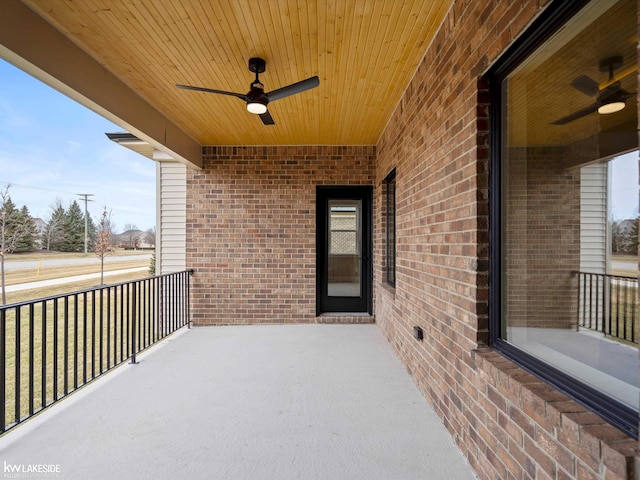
(608, 100)
(256, 99)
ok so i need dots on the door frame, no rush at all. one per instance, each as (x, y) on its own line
(344, 304)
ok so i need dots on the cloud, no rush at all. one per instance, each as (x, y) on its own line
(73, 147)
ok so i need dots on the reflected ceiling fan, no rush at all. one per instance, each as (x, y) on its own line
(610, 99)
(256, 99)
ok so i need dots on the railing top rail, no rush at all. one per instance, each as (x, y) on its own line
(91, 289)
(621, 277)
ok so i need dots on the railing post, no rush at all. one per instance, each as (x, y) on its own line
(634, 316)
(577, 274)
(43, 355)
(134, 346)
(190, 272)
(3, 373)
(55, 349)
(32, 362)
(17, 380)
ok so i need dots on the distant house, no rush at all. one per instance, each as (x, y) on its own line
(134, 239)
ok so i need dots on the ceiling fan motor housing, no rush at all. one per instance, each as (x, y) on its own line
(611, 64)
(257, 65)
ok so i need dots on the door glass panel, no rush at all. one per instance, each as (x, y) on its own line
(345, 248)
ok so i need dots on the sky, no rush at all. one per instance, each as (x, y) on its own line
(624, 187)
(51, 148)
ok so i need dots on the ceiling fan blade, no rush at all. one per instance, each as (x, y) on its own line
(576, 115)
(586, 85)
(613, 90)
(294, 88)
(266, 118)
(241, 96)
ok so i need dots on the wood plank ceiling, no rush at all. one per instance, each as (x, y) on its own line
(364, 51)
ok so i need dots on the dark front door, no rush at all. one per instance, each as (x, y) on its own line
(344, 271)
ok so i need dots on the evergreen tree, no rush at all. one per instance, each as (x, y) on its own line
(633, 237)
(11, 215)
(92, 233)
(624, 236)
(152, 264)
(53, 235)
(19, 226)
(73, 227)
(11, 230)
(26, 242)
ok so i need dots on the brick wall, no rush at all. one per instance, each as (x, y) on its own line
(542, 220)
(507, 423)
(251, 219)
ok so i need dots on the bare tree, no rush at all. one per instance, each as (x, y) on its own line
(13, 227)
(151, 236)
(131, 230)
(103, 243)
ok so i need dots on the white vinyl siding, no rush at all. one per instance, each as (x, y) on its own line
(593, 218)
(172, 195)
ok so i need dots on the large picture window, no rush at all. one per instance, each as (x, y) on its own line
(564, 302)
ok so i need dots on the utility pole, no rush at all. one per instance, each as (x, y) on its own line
(86, 217)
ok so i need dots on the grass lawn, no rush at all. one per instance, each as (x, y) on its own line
(631, 270)
(25, 295)
(43, 255)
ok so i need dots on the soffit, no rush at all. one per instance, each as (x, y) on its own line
(364, 51)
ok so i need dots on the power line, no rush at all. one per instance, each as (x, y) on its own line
(35, 188)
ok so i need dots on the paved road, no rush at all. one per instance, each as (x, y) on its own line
(11, 265)
(62, 281)
(624, 265)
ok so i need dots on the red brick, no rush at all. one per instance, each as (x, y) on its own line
(619, 457)
(556, 450)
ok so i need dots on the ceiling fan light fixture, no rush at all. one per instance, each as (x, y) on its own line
(256, 107)
(611, 107)
(256, 100)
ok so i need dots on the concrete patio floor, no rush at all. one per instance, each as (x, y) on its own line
(246, 402)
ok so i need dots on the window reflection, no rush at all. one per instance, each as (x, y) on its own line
(564, 299)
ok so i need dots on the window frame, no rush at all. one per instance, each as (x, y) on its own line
(390, 245)
(555, 16)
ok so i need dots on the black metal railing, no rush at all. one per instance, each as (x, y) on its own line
(50, 347)
(608, 304)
